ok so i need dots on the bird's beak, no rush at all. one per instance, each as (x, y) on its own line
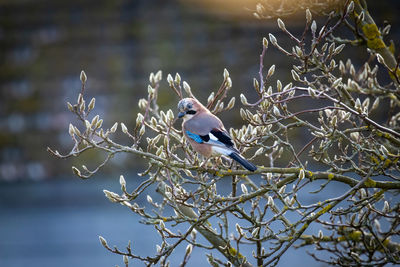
(181, 114)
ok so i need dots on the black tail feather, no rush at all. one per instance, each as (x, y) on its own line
(248, 165)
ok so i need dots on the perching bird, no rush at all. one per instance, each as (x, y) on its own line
(206, 133)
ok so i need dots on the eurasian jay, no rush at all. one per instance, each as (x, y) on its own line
(206, 133)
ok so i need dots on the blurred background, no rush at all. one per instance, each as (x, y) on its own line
(48, 217)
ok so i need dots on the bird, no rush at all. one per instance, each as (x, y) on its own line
(206, 132)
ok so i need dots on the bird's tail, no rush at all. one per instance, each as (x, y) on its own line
(248, 165)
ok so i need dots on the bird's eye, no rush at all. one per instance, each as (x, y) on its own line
(189, 106)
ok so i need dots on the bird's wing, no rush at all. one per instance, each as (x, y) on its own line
(205, 128)
(215, 137)
(221, 136)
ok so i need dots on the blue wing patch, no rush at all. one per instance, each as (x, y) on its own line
(195, 137)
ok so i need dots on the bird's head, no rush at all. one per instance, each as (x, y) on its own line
(188, 107)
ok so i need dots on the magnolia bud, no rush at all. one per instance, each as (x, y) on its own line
(386, 207)
(273, 39)
(189, 249)
(255, 232)
(87, 124)
(380, 59)
(308, 16)
(142, 130)
(170, 115)
(350, 7)
(256, 84)
(122, 181)
(278, 86)
(229, 82)
(99, 124)
(239, 229)
(269, 90)
(282, 190)
(301, 174)
(375, 104)
(177, 78)
(111, 195)
(243, 113)
(103, 241)
(161, 224)
(295, 76)
(339, 49)
(259, 152)
(124, 129)
(83, 77)
(114, 127)
(77, 132)
(361, 16)
(226, 74)
(270, 201)
(76, 171)
(265, 42)
(91, 104)
(71, 130)
(358, 104)
(386, 30)
(281, 24)
(142, 103)
(276, 111)
(152, 79)
(355, 136)
(243, 99)
(170, 80)
(94, 121)
(139, 119)
(244, 189)
(150, 90)
(70, 107)
(186, 87)
(231, 103)
(158, 76)
(271, 71)
(320, 234)
(82, 106)
(80, 99)
(334, 121)
(313, 27)
(336, 82)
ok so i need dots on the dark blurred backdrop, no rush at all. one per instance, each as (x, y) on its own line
(45, 44)
(55, 220)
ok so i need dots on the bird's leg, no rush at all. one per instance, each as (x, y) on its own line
(208, 164)
(218, 163)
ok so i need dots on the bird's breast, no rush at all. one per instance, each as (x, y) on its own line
(204, 149)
